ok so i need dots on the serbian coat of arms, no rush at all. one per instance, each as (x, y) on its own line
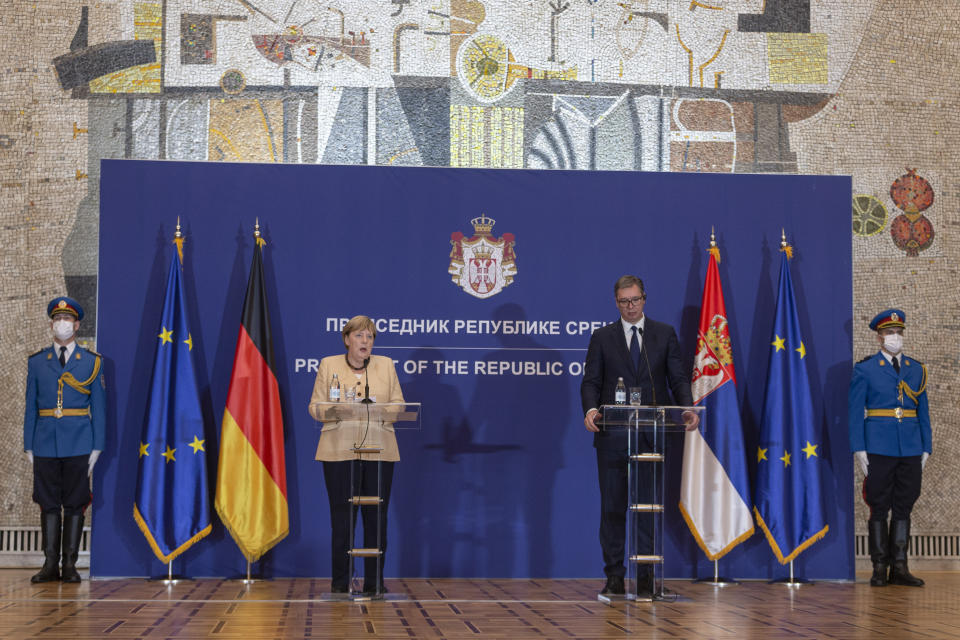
(482, 265)
(713, 359)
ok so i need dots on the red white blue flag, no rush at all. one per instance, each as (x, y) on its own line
(715, 489)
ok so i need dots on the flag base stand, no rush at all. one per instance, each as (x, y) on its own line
(170, 579)
(716, 580)
(248, 578)
(792, 581)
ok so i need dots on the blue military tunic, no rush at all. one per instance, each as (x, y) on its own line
(76, 393)
(888, 411)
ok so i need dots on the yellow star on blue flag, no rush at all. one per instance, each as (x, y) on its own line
(197, 444)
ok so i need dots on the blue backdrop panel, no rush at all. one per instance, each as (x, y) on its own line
(501, 480)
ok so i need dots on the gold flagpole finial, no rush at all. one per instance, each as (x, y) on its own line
(714, 250)
(178, 240)
(256, 233)
(785, 246)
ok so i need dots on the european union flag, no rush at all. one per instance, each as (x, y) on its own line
(171, 506)
(787, 501)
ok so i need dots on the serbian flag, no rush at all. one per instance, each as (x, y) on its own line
(788, 497)
(251, 475)
(715, 489)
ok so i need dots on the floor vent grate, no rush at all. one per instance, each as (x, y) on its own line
(944, 546)
(23, 547)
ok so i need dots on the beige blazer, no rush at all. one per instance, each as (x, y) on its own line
(337, 440)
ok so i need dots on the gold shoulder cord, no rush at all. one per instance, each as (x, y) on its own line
(68, 379)
(915, 394)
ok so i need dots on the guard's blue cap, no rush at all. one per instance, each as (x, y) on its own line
(889, 318)
(63, 304)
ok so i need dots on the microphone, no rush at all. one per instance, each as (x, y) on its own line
(366, 386)
(653, 387)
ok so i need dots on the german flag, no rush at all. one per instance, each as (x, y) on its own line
(251, 475)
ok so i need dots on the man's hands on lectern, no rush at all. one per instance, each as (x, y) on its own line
(589, 420)
(691, 419)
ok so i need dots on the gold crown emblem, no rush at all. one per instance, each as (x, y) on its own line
(483, 225)
(61, 304)
(894, 316)
(483, 252)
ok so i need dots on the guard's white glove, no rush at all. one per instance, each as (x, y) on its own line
(93, 460)
(862, 461)
(923, 460)
(30, 456)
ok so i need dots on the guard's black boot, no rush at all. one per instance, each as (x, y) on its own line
(899, 541)
(72, 531)
(879, 551)
(50, 539)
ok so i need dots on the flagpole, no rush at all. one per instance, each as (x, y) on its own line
(256, 234)
(720, 482)
(170, 580)
(792, 581)
(173, 414)
(255, 459)
(716, 580)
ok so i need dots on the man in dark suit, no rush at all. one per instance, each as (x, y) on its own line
(646, 354)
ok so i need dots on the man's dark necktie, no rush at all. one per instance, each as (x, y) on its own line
(635, 346)
(896, 364)
(63, 356)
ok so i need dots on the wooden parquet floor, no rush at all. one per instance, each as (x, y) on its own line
(479, 609)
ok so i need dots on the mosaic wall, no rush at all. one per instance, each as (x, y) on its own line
(792, 86)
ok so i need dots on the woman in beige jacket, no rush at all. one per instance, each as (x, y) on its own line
(357, 370)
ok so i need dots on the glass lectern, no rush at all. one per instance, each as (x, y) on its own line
(368, 429)
(646, 427)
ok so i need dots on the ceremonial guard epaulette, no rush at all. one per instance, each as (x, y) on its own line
(864, 359)
(93, 352)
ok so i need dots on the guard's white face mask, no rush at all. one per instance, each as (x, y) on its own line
(893, 343)
(63, 329)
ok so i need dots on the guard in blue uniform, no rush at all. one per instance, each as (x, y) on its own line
(890, 438)
(63, 435)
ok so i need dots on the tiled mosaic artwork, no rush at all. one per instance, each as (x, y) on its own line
(863, 88)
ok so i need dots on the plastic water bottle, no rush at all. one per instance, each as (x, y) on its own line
(335, 389)
(620, 395)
